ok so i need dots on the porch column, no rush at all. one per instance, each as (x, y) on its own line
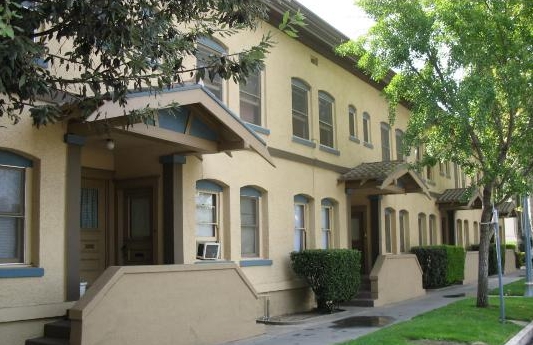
(172, 209)
(73, 180)
(375, 225)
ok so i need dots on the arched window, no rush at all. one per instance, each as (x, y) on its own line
(352, 122)
(366, 128)
(433, 237)
(390, 229)
(208, 197)
(466, 230)
(301, 203)
(459, 241)
(326, 221)
(300, 108)
(325, 119)
(404, 231)
(476, 233)
(14, 171)
(422, 229)
(385, 142)
(399, 144)
(250, 222)
(207, 49)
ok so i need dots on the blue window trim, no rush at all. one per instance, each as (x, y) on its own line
(327, 202)
(13, 159)
(369, 145)
(301, 199)
(250, 192)
(303, 141)
(330, 150)
(208, 186)
(21, 272)
(255, 262)
(258, 129)
(200, 262)
(354, 139)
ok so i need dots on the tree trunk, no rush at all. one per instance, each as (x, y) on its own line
(486, 234)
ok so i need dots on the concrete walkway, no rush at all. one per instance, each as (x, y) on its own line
(328, 329)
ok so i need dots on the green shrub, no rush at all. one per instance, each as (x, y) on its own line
(441, 265)
(520, 259)
(455, 272)
(434, 265)
(510, 246)
(333, 274)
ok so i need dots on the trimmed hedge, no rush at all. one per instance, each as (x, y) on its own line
(333, 274)
(520, 259)
(441, 265)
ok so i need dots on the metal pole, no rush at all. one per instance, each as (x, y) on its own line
(527, 231)
(499, 259)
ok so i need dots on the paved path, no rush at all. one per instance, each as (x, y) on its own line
(325, 329)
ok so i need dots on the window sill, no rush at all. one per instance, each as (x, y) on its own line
(257, 128)
(21, 272)
(217, 261)
(354, 139)
(369, 145)
(255, 262)
(303, 141)
(329, 150)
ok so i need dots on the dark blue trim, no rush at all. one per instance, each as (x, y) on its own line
(302, 199)
(329, 150)
(250, 191)
(256, 262)
(303, 141)
(21, 272)
(212, 44)
(173, 159)
(257, 128)
(354, 139)
(41, 63)
(326, 202)
(369, 145)
(174, 119)
(208, 186)
(213, 262)
(15, 160)
(74, 139)
(202, 130)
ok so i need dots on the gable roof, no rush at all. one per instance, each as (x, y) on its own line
(223, 131)
(459, 198)
(386, 177)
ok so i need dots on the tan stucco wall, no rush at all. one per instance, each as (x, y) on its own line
(195, 304)
(510, 261)
(396, 278)
(471, 267)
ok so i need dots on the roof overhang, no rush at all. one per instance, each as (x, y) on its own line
(507, 209)
(392, 177)
(202, 112)
(460, 199)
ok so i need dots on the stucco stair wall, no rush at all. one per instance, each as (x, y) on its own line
(55, 333)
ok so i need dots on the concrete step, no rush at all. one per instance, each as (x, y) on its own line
(57, 329)
(360, 302)
(47, 341)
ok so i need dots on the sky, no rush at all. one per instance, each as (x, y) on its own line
(342, 14)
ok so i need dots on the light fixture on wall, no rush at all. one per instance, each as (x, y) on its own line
(110, 144)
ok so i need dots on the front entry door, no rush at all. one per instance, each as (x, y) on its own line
(138, 240)
(93, 224)
(358, 234)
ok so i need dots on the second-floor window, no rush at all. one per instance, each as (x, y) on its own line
(325, 117)
(352, 121)
(399, 145)
(366, 128)
(385, 142)
(300, 109)
(250, 98)
(250, 229)
(207, 51)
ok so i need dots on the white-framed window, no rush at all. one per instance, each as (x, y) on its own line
(326, 220)
(390, 229)
(250, 222)
(433, 238)
(399, 144)
(325, 119)
(300, 108)
(404, 231)
(207, 49)
(385, 142)
(208, 210)
(300, 222)
(422, 229)
(366, 128)
(352, 121)
(250, 98)
(13, 207)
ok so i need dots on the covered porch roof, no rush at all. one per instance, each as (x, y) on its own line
(386, 177)
(459, 199)
(190, 120)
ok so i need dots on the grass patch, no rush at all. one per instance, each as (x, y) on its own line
(460, 321)
(516, 288)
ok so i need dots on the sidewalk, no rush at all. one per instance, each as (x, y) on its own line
(331, 329)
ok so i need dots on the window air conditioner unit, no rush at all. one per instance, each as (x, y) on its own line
(207, 250)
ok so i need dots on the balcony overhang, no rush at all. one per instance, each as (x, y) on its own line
(190, 120)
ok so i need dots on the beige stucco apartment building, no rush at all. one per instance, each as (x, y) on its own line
(302, 156)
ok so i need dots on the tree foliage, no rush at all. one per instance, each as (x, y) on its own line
(96, 50)
(465, 68)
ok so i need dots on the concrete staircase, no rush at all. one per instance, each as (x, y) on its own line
(364, 297)
(55, 333)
